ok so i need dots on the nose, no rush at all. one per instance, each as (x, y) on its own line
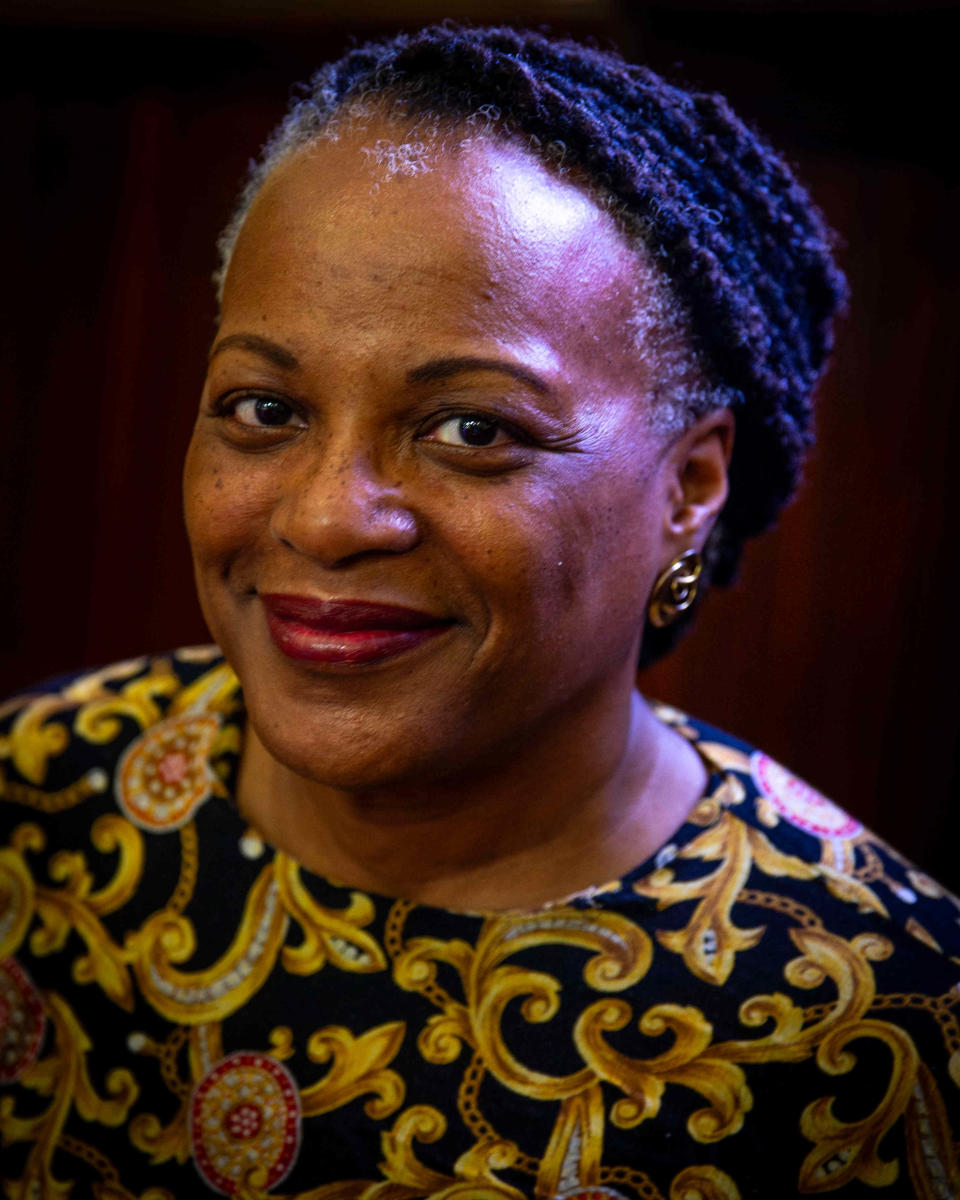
(337, 507)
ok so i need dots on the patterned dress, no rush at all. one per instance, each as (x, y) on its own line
(767, 1008)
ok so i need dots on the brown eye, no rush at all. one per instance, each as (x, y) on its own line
(472, 431)
(265, 411)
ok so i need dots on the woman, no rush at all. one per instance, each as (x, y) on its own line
(517, 345)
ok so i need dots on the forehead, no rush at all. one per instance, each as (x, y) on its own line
(384, 172)
(457, 236)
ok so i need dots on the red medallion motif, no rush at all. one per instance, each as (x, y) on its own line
(165, 775)
(22, 1022)
(799, 803)
(245, 1116)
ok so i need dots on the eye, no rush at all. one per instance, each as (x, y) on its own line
(265, 411)
(471, 431)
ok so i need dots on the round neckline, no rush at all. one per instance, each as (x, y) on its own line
(596, 895)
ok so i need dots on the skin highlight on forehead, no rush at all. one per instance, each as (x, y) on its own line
(396, 145)
(491, 199)
(385, 153)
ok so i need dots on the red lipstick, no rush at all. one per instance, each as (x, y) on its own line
(346, 632)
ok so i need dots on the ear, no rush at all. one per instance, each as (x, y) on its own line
(697, 479)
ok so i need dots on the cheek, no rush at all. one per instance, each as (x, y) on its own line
(579, 547)
(224, 507)
(611, 546)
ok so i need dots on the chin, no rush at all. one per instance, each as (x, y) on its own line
(365, 766)
(350, 747)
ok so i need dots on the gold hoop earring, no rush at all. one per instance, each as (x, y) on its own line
(676, 589)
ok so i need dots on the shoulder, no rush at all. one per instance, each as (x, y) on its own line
(79, 735)
(813, 847)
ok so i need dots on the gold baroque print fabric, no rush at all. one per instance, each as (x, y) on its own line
(768, 1008)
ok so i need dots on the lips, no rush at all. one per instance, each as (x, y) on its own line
(346, 632)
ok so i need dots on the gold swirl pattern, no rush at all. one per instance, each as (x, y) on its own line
(846, 1150)
(930, 1152)
(195, 997)
(358, 1067)
(603, 1048)
(16, 899)
(419, 1123)
(703, 1183)
(327, 935)
(72, 909)
(572, 1157)
(620, 957)
(163, 1142)
(98, 721)
(32, 742)
(687, 1062)
(63, 1076)
(711, 941)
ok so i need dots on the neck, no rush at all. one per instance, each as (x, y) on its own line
(548, 819)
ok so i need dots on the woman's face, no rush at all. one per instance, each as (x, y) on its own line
(425, 503)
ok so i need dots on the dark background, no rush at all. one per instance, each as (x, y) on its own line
(126, 129)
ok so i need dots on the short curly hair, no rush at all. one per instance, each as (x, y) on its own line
(745, 255)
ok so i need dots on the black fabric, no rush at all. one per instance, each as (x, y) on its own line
(768, 1007)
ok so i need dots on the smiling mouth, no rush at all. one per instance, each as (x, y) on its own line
(346, 632)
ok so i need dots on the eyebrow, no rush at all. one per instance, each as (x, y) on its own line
(272, 351)
(443, 368)
(429, 372)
